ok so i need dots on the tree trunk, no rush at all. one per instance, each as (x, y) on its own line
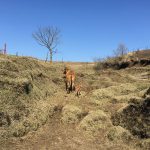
(46, 57)
(51, 56)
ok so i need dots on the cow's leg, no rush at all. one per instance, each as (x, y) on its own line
(68, 87)
(73, 86)
(77, 94)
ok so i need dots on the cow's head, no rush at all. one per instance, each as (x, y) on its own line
(65, 70)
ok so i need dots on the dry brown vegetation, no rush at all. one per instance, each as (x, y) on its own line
(36, 112)
(136, 59)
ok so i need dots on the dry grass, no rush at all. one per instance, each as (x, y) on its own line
(95, 121)
(32, 96)
(117, 133)
(71, 114)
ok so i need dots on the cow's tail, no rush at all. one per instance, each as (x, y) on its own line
(72, 84)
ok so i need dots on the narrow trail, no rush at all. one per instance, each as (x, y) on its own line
(52, 136)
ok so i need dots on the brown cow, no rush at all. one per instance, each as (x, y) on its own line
(69, 79)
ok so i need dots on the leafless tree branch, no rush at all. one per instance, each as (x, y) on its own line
(121, 50)
(48, 37)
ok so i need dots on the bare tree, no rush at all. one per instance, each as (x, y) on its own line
(46, 56)
(121, 50)
(49, 38)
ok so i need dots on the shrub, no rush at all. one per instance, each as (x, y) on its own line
(109, 62)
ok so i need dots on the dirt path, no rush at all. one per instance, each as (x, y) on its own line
(52, 136)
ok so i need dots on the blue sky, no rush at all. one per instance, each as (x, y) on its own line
(89, 28)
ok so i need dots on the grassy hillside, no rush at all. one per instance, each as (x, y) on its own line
(37, 113)
(26, 88)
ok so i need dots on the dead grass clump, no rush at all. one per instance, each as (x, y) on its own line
(4, 119)
(22, 85)
(39, 116)
(18, 130)
(7, 64)
(147, 93)
(144, 144)
(135, 117)
(71, 114)
(118, 133)
(8, 73)
(135, 100)
(95, 121)
(126, 98)
(142, 85)
(111, 92)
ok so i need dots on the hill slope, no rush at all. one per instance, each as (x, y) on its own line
(33, 98)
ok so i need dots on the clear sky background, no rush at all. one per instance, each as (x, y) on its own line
(89, 28)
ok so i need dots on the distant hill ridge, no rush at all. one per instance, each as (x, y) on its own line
(142, 54)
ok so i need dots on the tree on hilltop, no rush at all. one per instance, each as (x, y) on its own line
(48, 37)
(121, 50)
